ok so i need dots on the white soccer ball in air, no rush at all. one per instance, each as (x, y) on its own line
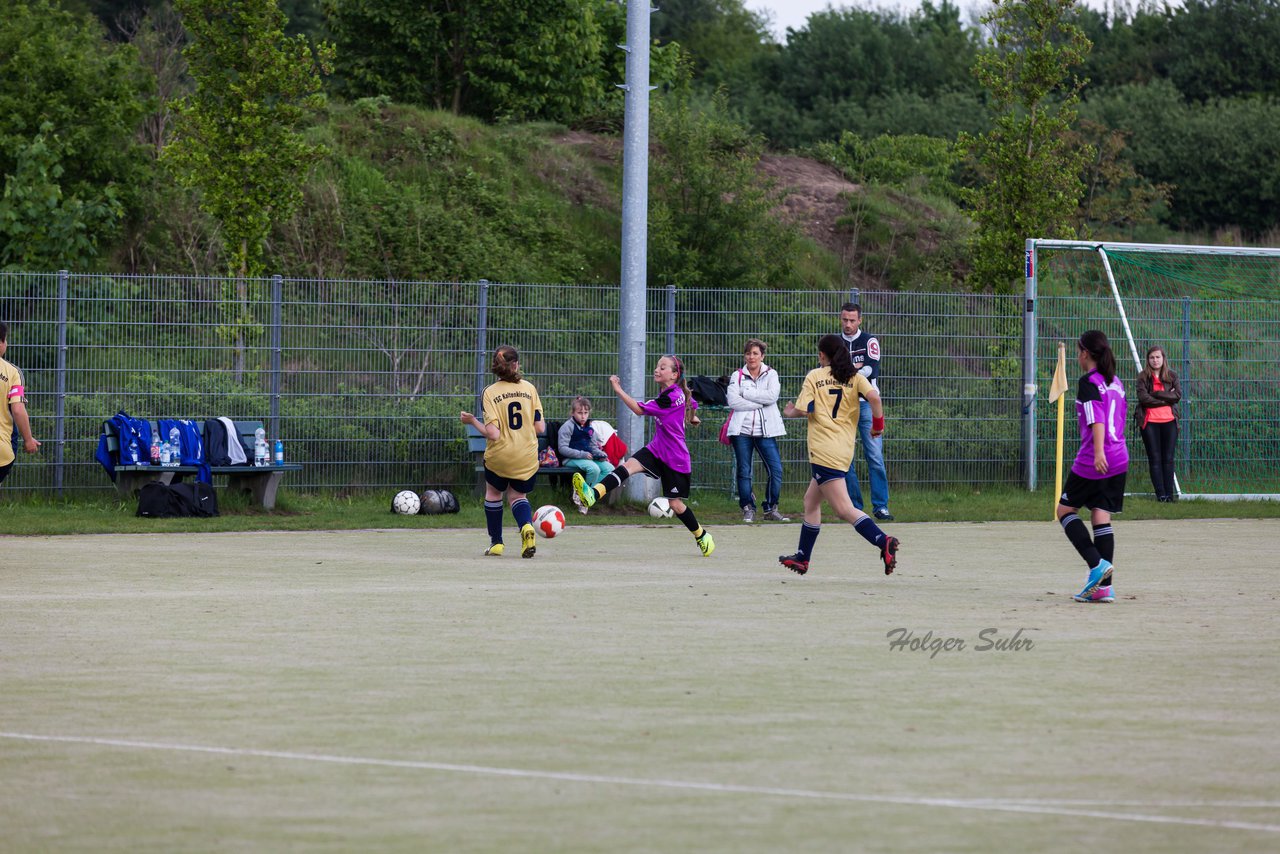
(660, 508)
(548, 521)
(406, 502)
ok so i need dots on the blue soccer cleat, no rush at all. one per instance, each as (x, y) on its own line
(1102, 593)
(1096, 575)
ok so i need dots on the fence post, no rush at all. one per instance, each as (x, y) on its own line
(1029, 365)
(1186, 384)
(671, 319)
(60, 396)
(854, 295)
(482, 343)
(277, 319)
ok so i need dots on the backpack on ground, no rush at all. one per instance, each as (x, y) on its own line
(167, 501)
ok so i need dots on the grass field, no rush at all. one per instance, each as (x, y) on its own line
(102, 513)
(392, 690)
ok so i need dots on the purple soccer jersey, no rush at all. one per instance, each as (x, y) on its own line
(668, 442)
(1100, 401)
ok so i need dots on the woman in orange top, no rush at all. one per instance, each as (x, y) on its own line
(1157, 419)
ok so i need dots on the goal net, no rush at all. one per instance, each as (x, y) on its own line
(1214, 310)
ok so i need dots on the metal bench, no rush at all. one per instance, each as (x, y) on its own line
(558, 476)
(259, 481)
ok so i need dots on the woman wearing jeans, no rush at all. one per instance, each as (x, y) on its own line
(755, 424)
(1157, 417)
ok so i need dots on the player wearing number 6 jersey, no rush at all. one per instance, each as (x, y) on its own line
(512, 423)
(1098, 473)
(829, 399)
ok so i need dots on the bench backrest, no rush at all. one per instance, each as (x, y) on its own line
(246, 431)
(476, 442)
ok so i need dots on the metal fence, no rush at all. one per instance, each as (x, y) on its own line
(364, 380)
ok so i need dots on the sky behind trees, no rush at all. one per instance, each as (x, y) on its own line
(794, 13)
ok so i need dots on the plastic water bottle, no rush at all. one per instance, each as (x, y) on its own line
(155, 449)
(279, 452)
(260, 453)
(134, 459)
(166, 455)
(175, 447)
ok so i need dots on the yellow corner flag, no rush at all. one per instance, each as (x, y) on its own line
(1057, 391)
(1059, 385)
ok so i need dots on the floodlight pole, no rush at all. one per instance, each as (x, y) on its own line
(635, 231)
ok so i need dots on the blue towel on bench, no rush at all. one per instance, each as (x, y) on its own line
(192, 447)
(126, 428)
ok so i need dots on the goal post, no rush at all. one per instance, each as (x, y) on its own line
(1216, 312)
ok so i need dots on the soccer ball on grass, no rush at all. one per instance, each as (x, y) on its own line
(548, 521)
(449, 500)
(406, 503)
(432, 502)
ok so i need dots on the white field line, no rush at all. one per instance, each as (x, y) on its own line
(984, 805)
(611, 580)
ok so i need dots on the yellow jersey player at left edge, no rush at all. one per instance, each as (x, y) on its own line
(13, 412)
(512, 423)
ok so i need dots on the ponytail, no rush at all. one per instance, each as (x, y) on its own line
(506, 364)
(684, 387)
(1097, 345)
(832, 346)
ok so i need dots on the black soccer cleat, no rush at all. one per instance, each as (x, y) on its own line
(795, 563)
(889, 554)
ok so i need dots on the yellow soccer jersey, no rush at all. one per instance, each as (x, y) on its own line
(833, 416)
(513, 407)
(12, 391)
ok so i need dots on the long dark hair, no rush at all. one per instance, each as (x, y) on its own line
(1099, 348)
(832, 346)
(684, 386)
(1145, 374)
(506, 364)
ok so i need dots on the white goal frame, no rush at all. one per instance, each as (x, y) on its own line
(1033, 245)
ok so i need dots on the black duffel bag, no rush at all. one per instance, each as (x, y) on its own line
(166, 501)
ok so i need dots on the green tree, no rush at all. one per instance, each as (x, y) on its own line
(69, 105)
(710, 215)
(236, 139)
(856, 70)
(1219, 157)
(1030, 168)
(40, 227)
(723, 37)
(1116, 197)
(515, 59)
(1224, 48)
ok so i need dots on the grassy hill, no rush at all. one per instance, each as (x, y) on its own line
(408, 193)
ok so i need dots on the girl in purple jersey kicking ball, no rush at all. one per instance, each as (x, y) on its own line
(1098, 473)
(666, 457)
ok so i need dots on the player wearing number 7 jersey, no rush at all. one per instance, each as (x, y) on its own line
(829, 400)
(1098, 474)
(512, 423)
